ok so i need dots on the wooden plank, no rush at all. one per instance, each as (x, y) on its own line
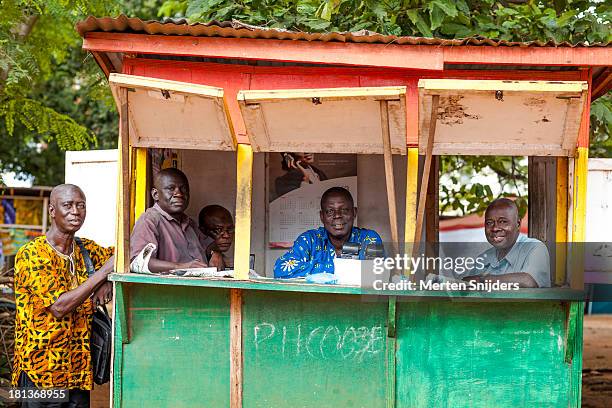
(435, 99)
(179, 353)
(579, 217)
(282, 285)
(389, 177)
(340, 341)
(45, 214)
(441, 86)
(562, 56)
(171, 114)
(122, 251)
(324, 94)
(22, 226)
(376, 55)
(309, 119)
(561, 223)
(120, 336)
(236, 358)
(103, 62)
(432, 211)
(244, 194)
(487, 357)
(576, 375)
(470, 108)
(141, 177)
(412, 176)
(117, 81)
(570, 331)
(391, 360)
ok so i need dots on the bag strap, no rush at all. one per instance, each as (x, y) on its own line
(88, 263)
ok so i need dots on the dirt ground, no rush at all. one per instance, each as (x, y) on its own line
(596, 374)
(597, 362)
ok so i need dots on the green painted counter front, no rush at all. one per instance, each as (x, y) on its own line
(305, 349)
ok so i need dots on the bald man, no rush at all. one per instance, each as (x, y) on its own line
(216, 222)
(53, 294)
(513, 258)
(178, 241)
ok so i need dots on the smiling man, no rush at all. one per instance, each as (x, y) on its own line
(314, 250)
(513, 258)
(178, 241)
(54, 304)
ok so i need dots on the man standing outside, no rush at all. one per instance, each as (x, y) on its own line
(513, 258)
(179, 244)
(54, 309)
(314, 250)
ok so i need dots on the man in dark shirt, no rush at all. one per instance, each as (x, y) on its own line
(178, 241)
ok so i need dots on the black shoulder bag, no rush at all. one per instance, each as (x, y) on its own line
(101, 331)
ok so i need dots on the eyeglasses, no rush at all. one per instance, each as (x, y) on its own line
(343, 212)
(222, 230)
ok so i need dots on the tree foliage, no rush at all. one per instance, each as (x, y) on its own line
(52, 95)
(520, 20)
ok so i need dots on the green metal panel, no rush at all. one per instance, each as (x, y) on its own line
(178, 354)
(475, 354)
(306, 349)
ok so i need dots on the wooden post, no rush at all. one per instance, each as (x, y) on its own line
(412, 184)
(435, 99)
(244, 192)
(45, 214)
(390, 180)
(122, 254)
(235, 348)
(141, 192)
(432, 211)
(561, 223)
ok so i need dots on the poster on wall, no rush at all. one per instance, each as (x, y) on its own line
(296, 182)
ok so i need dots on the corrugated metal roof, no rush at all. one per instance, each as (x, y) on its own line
(237, 29)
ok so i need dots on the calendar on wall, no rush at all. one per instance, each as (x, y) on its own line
(296, 182)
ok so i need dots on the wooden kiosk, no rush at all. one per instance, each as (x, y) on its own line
(234, 94)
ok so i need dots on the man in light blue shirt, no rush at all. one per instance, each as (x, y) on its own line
(513, 258)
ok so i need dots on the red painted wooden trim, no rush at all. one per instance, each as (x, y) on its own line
(380, 55)
(579, 56)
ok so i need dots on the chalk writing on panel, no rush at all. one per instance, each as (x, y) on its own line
(320, 342)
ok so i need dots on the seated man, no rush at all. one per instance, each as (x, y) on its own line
(179, 243)
(513, 258)
(216, 222)
(314, 251)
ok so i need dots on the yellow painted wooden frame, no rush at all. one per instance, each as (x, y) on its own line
(475, 116)
(315, 120)
(182, 101)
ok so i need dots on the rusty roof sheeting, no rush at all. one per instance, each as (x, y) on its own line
(237, 29)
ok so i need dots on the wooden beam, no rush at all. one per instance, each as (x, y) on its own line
(104, 62)
(412, 183)
(561, 223)
(556, 56)
(579, 219)
(602, 84)
(122, 258)
(141, 191)
(389, 177)
(377, 55)
(432, 211)
(235, 348)
(435, 100)
(244, 194)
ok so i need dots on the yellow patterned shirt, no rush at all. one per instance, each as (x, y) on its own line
(53, 352)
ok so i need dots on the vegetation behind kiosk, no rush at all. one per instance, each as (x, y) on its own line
(265, 343)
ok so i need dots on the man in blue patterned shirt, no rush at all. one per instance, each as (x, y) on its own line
(314, 250)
